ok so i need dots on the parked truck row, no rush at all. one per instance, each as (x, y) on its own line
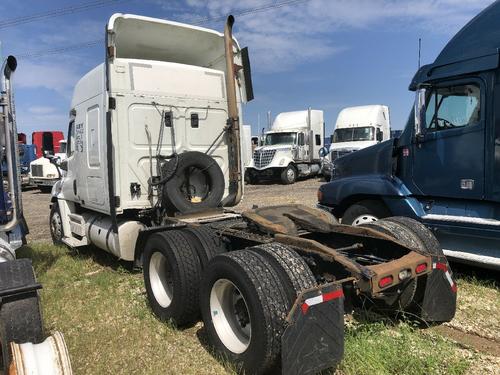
(157, 128)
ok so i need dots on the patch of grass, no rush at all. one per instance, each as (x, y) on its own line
(101, 308)
(380, 348)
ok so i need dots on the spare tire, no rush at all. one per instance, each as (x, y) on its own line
(197, 184)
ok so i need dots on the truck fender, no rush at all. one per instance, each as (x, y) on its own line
(56, 190)
(341, 193)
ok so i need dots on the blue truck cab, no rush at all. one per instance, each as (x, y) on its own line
(444, 169)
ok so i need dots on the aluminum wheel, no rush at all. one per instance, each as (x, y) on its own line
(160, 278)
(230, 316)
(56, 225)
(290, 174)
(364, 219)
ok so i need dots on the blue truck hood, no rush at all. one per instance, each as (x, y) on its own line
(376, 159)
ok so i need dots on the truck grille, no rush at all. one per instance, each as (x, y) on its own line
(262, 158)
(339, 153)
(37, 170)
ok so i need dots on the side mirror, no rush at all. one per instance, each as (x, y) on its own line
(63, 165)
(47, 154)
(420, 113)
(380, 135)
(323, 152)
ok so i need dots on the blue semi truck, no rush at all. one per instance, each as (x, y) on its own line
(444, 169)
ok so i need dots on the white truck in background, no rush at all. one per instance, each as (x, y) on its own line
(290, 149)
(43, 173)
(356, 128)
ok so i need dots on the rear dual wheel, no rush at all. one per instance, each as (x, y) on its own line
(172, 273)
(245, 297)
(173, 263)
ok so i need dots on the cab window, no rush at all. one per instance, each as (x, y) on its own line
(71, 141)
(453, 107)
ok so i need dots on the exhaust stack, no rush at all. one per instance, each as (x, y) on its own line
(233, 122)
(8, 139)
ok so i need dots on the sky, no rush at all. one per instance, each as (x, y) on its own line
(324, 54)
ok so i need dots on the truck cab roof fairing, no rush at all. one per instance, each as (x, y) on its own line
(476, 46)
(137, 37)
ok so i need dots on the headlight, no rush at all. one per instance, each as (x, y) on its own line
(282, 161)
(51, 176)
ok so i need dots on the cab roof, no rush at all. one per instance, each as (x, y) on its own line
(138, 37)
(474, 48)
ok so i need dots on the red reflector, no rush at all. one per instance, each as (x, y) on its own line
(384, 281)
(421, 268)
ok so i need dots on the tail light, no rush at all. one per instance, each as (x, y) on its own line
(385, 281)
(320, 195)
(422, 267)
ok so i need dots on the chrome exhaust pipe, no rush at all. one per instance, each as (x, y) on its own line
(9, 130)
(234, 149)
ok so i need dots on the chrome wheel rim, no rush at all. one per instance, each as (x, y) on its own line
(290, 174)
(230, 316)
(160, 279)
(56, 225)
(364, 219)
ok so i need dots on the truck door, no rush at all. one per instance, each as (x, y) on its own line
(303, 147)
(69, 187)
(448, 158)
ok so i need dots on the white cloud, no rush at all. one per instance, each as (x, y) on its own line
(281, 38)
(59, 77)
(41, 110)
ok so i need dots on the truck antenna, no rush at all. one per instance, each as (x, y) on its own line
(269, 119)
(419, 49)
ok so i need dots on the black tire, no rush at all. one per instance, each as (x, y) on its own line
(425, 235)
(364, 211)
(206, 243)
(172, 273)
(289, 175)
(294, 272)
(264, 304)
(195, 171)
(45, 189)
(20, 315)
(408, 289)
(55, 224)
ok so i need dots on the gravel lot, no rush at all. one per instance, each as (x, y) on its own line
(36, 203)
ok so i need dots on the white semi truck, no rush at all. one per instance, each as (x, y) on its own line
(290, 148)
(43, 173)
(356, 128)
(155, 156)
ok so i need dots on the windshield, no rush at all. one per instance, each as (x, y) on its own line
(62, 147)
(280, 139)
(354, 134)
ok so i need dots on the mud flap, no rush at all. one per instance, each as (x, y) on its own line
(440, 296)
(314, 338)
